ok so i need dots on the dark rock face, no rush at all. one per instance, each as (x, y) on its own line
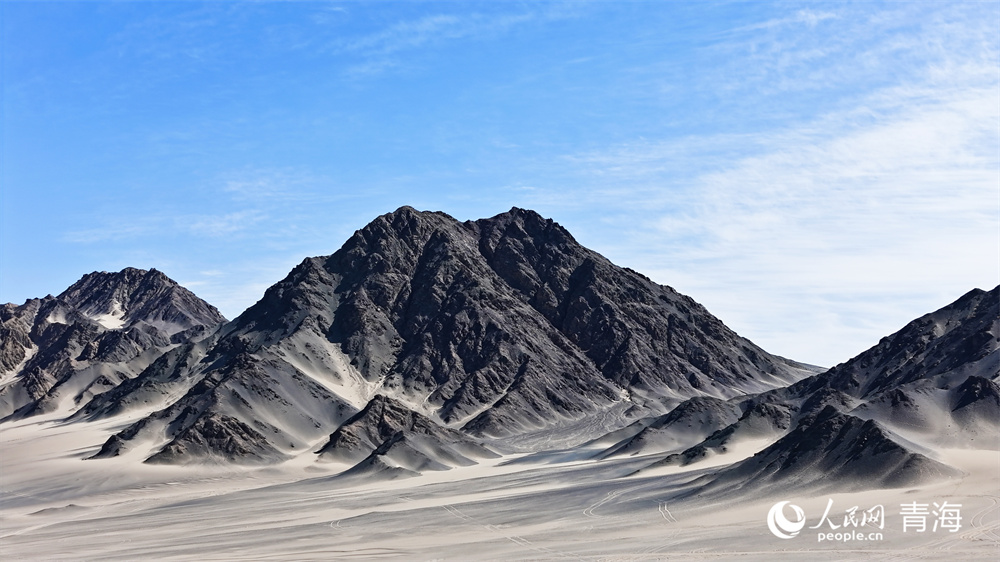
(919, 380)
(934, 381)
(165, 376)
(511, 317)
(687, 424)
(217, 434)
(138, 296)
(388, 429)
(498, 327)
(638, 333)
(837, 451)
(976, 392)
(251, 410)
(16, 324)
(961, 337)
(977, 404)
(102, 330)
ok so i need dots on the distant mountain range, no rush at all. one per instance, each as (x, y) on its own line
(426, 343)
(873, 421)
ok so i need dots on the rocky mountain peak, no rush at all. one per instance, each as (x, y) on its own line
(501, 325)
(103, 329)
(127, 297)
(960, 338)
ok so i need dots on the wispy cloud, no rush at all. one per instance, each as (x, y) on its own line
(176, 33)
(167, 226)
(112, 230)
(892, 188)
(410, 34)
(848, 224)
(864, 216)
(271, 185)
(808, 18)
(803, 169)
(221, 225)
(380, 50)
(326, 14)
(268, 188)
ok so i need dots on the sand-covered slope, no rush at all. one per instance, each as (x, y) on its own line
(497, 328)
(874, 421)
(106, 328)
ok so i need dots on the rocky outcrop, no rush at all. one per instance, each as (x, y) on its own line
(857, 425)
(832, 451)
(687, 424)
(495, 328)
(101, 331)
(402, 438)
(251, 410)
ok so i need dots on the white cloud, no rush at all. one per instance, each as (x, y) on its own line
(818, 239)
(111, 231)
(382, 49)
(871, 225)
(271, 185)
(809, 18)
(164, 225)
(409, 34)
(221, 225)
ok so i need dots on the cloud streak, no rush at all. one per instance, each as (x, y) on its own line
(381, 50)
(865, 216)
(169, 226)
(873, 224)
(221, 225)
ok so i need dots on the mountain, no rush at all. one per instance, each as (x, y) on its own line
(932, 381)
(134, 296)
(104, 329)
(388, 432)
(875, 420)
(498, 328)
(425, 343)
(959, 340)
(686, 425)
(831, 451)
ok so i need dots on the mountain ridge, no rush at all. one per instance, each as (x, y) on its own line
(496, 327)
(426, 343)
(931, 384)
(102, 330)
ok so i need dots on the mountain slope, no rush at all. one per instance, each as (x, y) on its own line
(497, 327)
(873, 420)
(832, 451)
(390, 431)
(955, 342)
(102, 330)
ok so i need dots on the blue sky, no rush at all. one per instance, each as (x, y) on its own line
(817, 174)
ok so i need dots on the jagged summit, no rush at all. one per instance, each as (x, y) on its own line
(124, 298)
(497, 327)
(103, 329)
(932, 383)
(962, 338)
